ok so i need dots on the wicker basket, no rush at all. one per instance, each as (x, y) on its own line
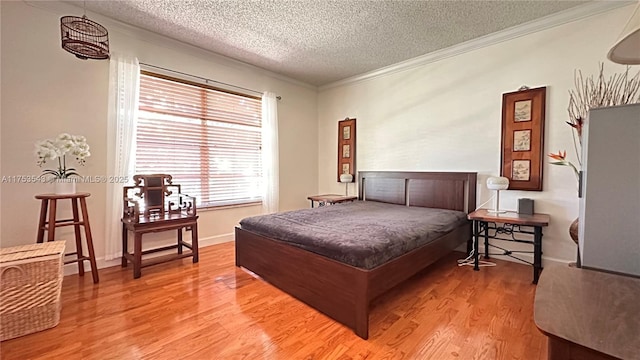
(30, 284)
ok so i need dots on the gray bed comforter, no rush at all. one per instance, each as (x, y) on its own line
(364, 234)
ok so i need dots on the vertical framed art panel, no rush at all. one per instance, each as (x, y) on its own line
(347, 147)
(523, 114)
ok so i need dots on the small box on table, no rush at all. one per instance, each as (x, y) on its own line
(30, 285)
(525, 206)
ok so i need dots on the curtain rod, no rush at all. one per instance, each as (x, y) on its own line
(205, 79)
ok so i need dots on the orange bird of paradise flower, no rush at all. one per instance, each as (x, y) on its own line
(561, 158)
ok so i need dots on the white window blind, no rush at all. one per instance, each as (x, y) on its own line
(208, 140)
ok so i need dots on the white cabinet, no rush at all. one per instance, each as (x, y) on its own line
(609, 229)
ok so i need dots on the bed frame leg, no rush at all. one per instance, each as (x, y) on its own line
(237, 236)
(362, 322)
(362, 306)
(362, 330)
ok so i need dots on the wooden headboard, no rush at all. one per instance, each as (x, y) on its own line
(442, 190)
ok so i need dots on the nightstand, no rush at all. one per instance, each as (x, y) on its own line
(330, 199)
(485, 225)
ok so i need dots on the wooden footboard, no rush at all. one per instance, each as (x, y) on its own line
(342, 292)
(336, 289)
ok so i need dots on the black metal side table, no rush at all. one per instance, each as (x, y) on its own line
(485, 224)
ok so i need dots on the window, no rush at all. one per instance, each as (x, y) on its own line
(208, 140)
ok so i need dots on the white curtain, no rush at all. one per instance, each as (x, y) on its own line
(270, 153)
(124, 90)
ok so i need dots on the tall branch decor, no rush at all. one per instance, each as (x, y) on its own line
(595, 92)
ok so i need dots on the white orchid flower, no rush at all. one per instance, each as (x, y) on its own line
(58, 148)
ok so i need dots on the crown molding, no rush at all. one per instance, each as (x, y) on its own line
(58, 7)
(560, 18)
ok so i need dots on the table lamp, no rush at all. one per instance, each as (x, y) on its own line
(346, 179)
(497, 183)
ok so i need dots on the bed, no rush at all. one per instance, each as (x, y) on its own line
(344, 291)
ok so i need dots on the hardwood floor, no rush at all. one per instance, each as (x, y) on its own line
(213, 310)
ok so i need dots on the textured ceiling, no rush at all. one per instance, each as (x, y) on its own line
(319, 42)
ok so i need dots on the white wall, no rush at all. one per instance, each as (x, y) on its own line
(446, 115)
(440, 116)
(46, 91)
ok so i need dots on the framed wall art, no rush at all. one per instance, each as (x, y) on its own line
(523, 114)
(347, 147)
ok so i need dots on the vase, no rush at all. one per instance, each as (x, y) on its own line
(573, 230)
(64, 186)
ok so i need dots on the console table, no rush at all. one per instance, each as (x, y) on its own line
(588, 314)
(330, 199)
(485, 225)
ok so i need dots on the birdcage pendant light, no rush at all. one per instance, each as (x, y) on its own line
(84, 38)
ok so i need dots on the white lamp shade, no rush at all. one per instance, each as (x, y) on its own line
(627, 49)
(346, 178)
(497, 183)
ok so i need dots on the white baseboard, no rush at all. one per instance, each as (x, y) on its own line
(546, 260)
(72, 268)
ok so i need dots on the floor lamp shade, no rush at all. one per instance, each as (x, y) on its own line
(627, 49)
(497, 183)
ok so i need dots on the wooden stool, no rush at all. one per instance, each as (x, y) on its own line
(49, 203)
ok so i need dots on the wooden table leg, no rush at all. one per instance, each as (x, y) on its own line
(87, 233)
(125, 244)
(194, 242)
(137, 254)
(51, 225)
(44, 204)
(76, 230)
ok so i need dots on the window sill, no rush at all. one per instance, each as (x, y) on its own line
(225, 207)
